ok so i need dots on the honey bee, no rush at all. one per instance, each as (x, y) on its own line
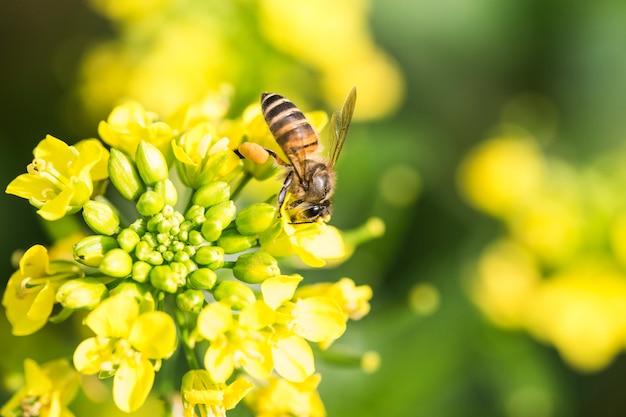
(310, 178)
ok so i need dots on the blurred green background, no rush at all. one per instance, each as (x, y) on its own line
(453, 72)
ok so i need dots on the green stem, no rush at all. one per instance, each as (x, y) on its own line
(190, 354)
(244, 181)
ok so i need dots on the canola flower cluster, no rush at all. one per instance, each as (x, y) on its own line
(559, 269)
(192, 273)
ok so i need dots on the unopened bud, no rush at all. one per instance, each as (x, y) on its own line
(116, 263)
(223, 212)
(234, 293)
(91, 250)
(190, 301)
(255, 219)
(128, 239)
(202, 279)
(211, 230)
(210, 256)
(163, 278)
(151, 163)
(167, 190)
(150, 203)
(211, 194)
(100, 217)
(124, 175)
(255, 267)
(233, 242)
(141, 271)
(80, 293)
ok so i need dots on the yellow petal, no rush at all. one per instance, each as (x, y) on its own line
(132, 384)
(114, 317)
(293, 358)
(154, 335)
(318, 319)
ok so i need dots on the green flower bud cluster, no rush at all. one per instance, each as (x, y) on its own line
(174, 252)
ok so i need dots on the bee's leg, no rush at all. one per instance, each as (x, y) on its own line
(283, 191)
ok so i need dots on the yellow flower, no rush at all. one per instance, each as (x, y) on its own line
(209, 398)
(281, 397)
(127, 341)
(31, 290)
(48, 389)
(129, 123)
(203, 157)
(314, 243)
(317, 319)
(236, 342)
(60, 180)
(353, 300)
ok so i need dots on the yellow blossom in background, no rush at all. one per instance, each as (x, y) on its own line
(61, 178)
(582, 311)
(170, 53)
(556, 273)
(47, 390)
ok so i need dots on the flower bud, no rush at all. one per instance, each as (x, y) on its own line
(211, 230)
(150, 203)
(141, 271)
(151, 163)
(223, 212)
(163, 278)
(233, 242)
(212, 193)
(202, 279)
(128, 239)
(100, 217)
(190, 301)
(167, 190)
(116, 263)
(79, 293)
(210, 256)
(124, 176)
(255, 267)
(255, 219)
(91, 249)
(234, 293)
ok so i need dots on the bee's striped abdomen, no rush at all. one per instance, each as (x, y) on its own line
(290, 128)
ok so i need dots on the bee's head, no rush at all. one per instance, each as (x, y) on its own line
(308, 212)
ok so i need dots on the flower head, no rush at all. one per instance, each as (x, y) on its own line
(200, 392)
(48, 389)
(129, 123)
(203, 157)
(281, 397)
(60, 180)
(127, 341)
(31, 290)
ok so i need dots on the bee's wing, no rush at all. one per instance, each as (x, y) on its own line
(339, 124)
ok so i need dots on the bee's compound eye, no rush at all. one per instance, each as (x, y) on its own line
(313, 211)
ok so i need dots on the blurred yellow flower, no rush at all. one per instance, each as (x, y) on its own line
(582, 311)
(501, 174)
(47, 391)
(280, 397)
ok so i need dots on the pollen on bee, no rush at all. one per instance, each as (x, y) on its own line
(254, 152)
